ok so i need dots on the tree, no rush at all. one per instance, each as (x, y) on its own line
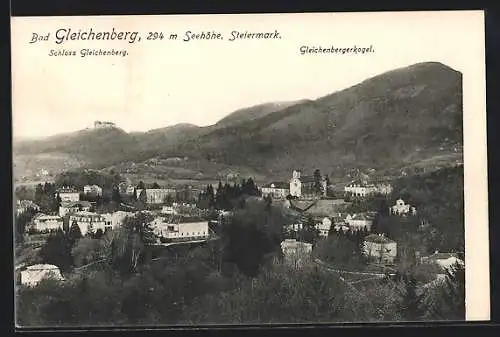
(74, 233)
(129, 245)
(309, 233)
(115, 196)
(337, 250)
(140, 185)
(252, 233)
(21, 222)
(155, 185)
(410, 306)
(210, 196)
(250, 188)
(57, 251)
(318, 186)
(98, 234)
(87, 250)
(446, 300)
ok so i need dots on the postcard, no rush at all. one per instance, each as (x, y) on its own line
(209, 170)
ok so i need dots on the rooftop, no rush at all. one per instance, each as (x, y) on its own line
(361, 216)
(178, 218)
(442, 256)
(76, 203)
(378, 238)
(67, 190)
(27, 203)
(42, 267)
(86, 213)
(277, 184)
(42, 216)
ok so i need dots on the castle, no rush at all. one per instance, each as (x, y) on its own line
(103, 125)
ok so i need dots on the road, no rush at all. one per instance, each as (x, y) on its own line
(340, 271)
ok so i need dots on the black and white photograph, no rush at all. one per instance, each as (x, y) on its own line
(201, 170)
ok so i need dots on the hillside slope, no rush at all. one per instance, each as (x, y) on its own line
(97, 146)
(398, 119)
(393, 119)
(252, 113)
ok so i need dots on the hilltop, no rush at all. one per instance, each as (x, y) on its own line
(405, 118)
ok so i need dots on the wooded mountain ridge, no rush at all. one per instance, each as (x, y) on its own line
(401, 118)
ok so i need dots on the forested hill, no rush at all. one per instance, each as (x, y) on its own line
(399, 118)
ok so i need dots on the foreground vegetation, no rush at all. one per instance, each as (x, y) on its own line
(118, 279)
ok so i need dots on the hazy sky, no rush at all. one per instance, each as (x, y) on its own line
(161, 83)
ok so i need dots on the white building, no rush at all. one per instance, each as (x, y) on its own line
(92, 190)
(68, 194)
(400, 208)
(181, 229)
(23, 205)
(88, 222)
(296, 227)
(358, 222)
(155, 195)
(74, 207)
(296, 253)
(130, 190)
(443, 260)
(324, 227)
(169, 210)
(277, 190)
(380, 248)
(361, 188)
(115, 220)
(43, 222)
(34, 274)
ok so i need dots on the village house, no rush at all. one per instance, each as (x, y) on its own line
(130, 190)
(155, 195)
(68, 194)
(295, 253)
(360, 189)
(296, 227)
(88, 222)
(93, 190)
(179, 228)
(324, 227)
(73, 207)
(277, 190)
(168, 210)
(304, 186)
(115, 220)
(22, 206)
(358, 222)
(47, 223)
(32, 275)
(384, 188)
(380, 248)
(125, 189)
(400, 208)
(444, 260)
(339, 223)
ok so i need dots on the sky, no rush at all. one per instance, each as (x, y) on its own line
(163, 83)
